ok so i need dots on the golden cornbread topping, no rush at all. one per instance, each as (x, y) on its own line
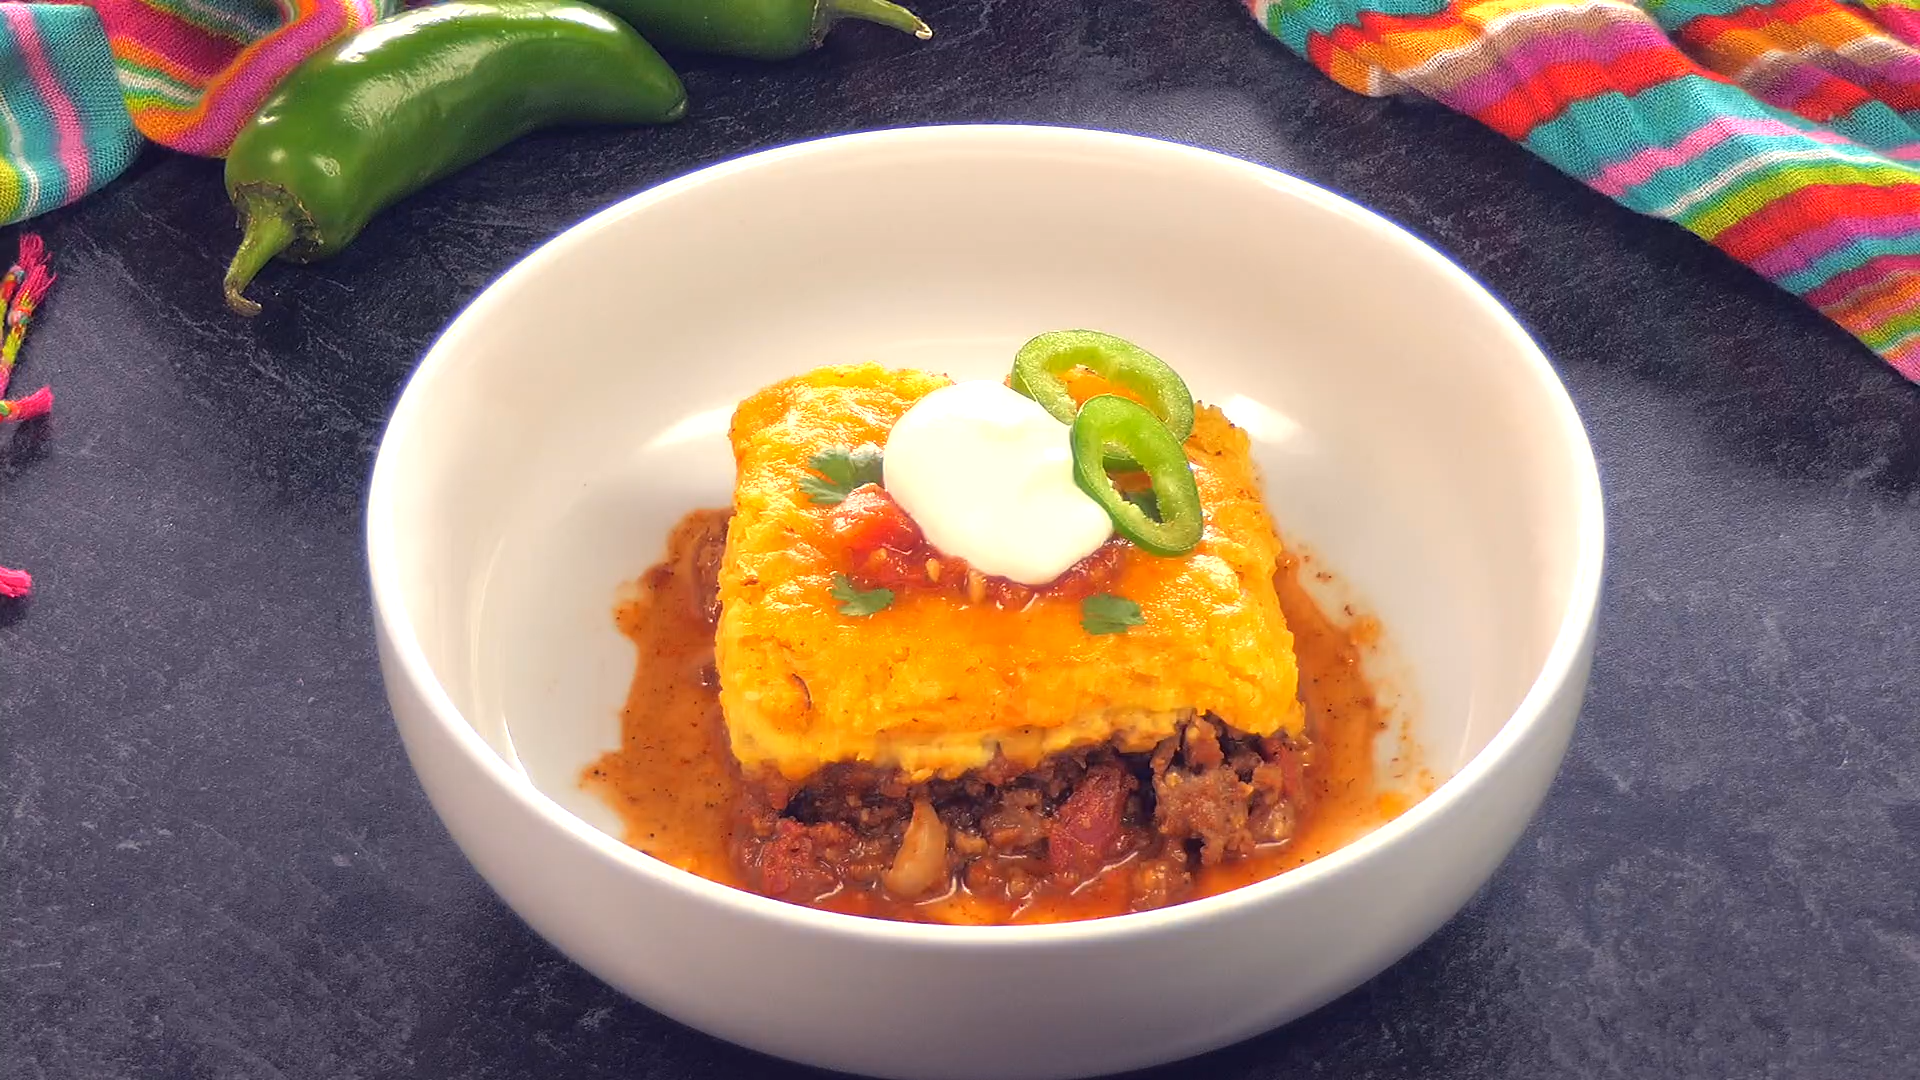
(937, 688)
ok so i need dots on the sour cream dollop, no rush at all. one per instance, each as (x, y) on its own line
(988, 476)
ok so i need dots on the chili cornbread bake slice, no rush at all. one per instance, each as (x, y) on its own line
(981, 652)
(959, 671)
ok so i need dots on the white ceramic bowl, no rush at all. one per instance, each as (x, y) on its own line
(1408, 429)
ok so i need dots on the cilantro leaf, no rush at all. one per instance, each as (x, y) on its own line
(856, 601)
(841, 470)
(1105, 613)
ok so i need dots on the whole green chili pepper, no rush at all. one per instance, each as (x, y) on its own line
(1040, 363)
(1107, 424)
(415, 97)
(755, 29)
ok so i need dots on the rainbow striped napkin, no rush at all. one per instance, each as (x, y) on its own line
(81, 84)
(1783, 134)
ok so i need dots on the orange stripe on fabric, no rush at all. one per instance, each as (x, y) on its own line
(1405, 50)
(1734, 48)
(139, 53)
(1351, 72)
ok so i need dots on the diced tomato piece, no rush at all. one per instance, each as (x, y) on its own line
(1092, 574)
(1080, 838)
(888, 569)
(868, 518)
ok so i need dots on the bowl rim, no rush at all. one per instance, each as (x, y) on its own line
(1563, 658)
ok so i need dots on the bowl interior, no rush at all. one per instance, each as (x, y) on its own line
(1408, 431)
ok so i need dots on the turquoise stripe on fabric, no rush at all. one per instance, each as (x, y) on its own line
(1596, 132)
(29, 139)
(1874, 124)
(1853, 255)
(1674, 14)
(1294, 24)
(1670, 184)
(75, 48)
(83, 63)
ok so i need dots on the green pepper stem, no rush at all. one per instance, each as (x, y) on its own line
(266, 229)
(877, 11)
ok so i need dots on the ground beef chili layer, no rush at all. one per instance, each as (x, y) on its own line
(866, 840)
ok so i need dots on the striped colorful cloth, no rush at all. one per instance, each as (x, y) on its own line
(81, 83)
(195, 70)
(1784, 134)
(63, 127)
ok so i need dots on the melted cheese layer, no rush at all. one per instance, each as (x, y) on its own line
(935, 686)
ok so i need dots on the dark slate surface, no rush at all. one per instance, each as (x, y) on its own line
(214, 861)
